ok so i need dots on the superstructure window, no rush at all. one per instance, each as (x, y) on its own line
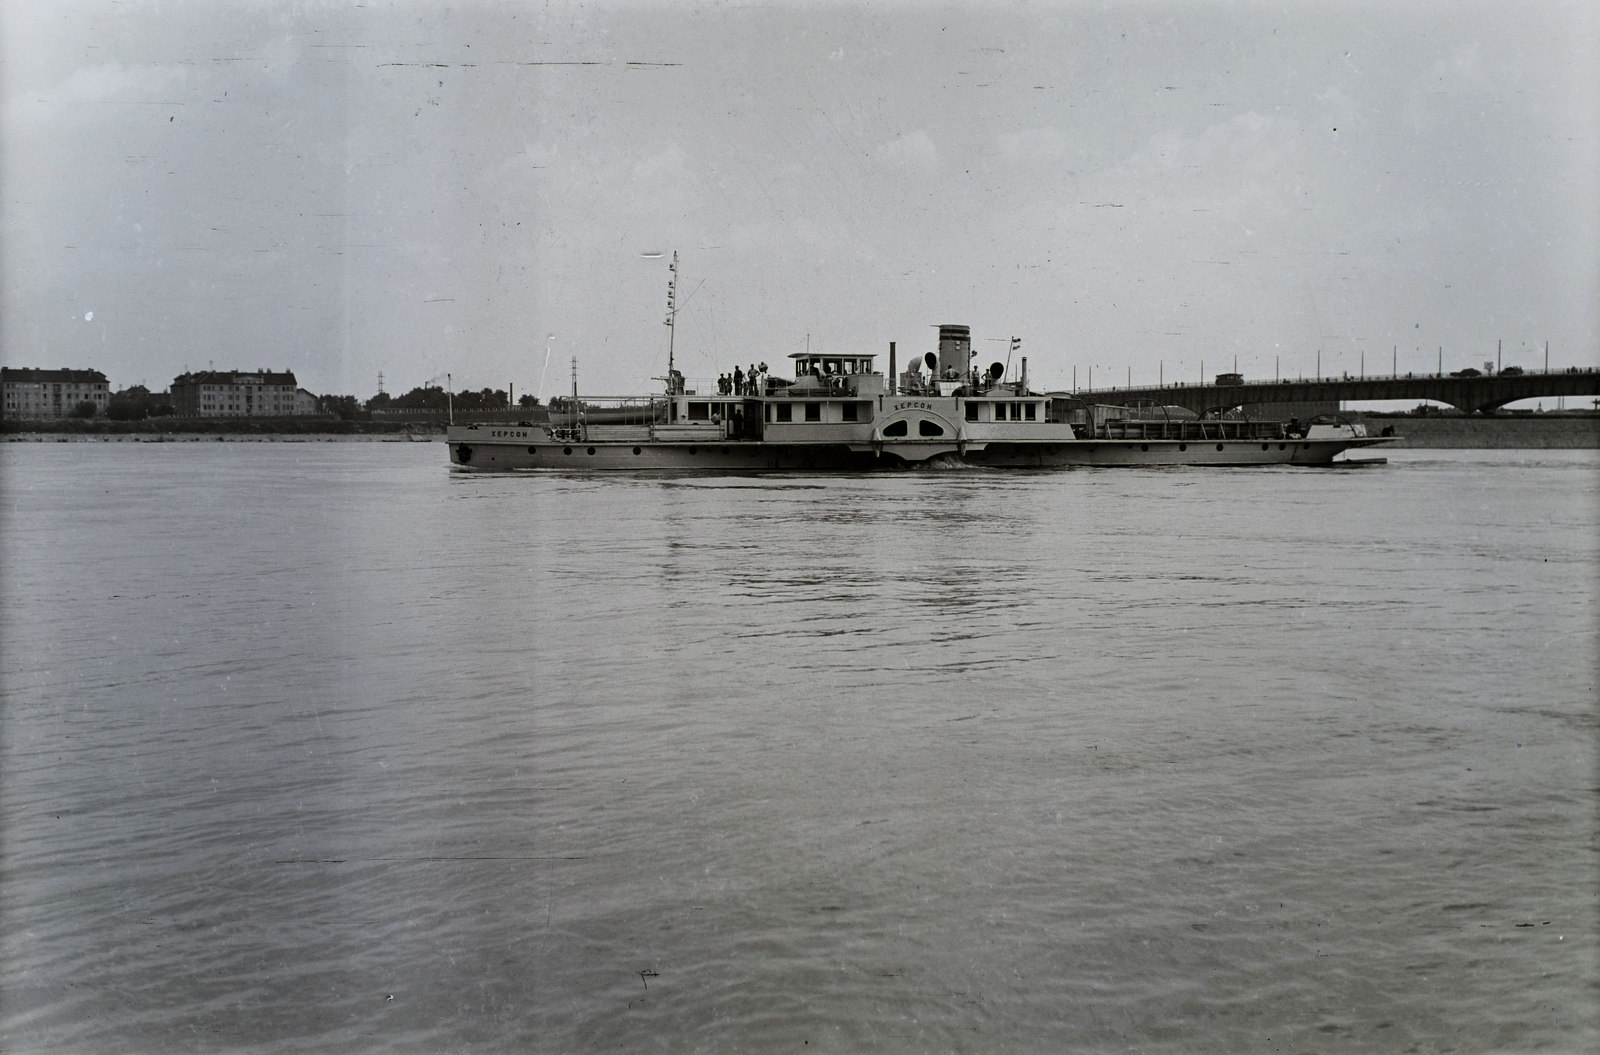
(895, 428)
(783, 412)
(849, 411)
(699, 411)
(1030, 411)
(929, 428)
(972, 412)
(813, 411)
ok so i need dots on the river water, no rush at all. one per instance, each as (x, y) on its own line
(323, 747)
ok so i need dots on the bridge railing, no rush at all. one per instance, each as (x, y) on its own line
(1342, 378)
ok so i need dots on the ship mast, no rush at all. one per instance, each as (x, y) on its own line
(575, 417)
(672, 324)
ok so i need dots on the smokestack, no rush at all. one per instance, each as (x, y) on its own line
(955, 351)
(892, 374)
(1024, 378)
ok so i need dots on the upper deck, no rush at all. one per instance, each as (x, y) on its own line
(833, 398)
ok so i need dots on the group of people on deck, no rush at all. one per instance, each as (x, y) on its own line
(741, 382)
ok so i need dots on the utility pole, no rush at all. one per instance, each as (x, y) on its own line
(1547, 357)
(1441, 362)
(449, 399)
(1394, 366)
(1161, 372)
(1499, 346)
(1275, 360)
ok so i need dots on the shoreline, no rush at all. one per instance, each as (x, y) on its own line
(1444, 432)
(220, 437)
(1522, 432)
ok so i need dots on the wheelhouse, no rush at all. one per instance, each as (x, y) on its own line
(812, 364)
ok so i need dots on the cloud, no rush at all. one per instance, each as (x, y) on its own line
(76, 98)
(1034, 144)
(912, 151)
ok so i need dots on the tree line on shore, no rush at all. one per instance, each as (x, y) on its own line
(426, 397)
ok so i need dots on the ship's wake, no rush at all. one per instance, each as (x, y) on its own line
(949, 462)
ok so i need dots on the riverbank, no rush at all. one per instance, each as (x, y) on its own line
(310, 437)
(1536, 432)
(178, 430)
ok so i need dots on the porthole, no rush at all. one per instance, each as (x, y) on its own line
(566, 450)
(1266, 446)
(1219, 446)
(533, 450)
(591, 450)
(724, 450)
(1183, 446)
(1280, 446)
(691, 450)
(1144, 446)
(638, 450)
(1306, 447)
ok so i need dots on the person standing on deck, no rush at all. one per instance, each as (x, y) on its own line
(738, 380)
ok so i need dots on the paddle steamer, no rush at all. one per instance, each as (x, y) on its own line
(840, 412)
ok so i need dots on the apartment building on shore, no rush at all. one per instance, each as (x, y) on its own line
(35, 394)
(236, 394)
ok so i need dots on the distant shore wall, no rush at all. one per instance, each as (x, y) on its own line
(1513, 433)
(240, 426)
(1542, 431)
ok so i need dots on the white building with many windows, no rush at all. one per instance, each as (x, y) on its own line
(33, 394)
(234, 394)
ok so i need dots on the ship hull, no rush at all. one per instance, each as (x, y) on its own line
(532, 450)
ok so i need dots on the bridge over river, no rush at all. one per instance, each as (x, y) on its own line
(1471, 395)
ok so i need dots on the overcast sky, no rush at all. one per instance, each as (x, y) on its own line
(420, 188)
